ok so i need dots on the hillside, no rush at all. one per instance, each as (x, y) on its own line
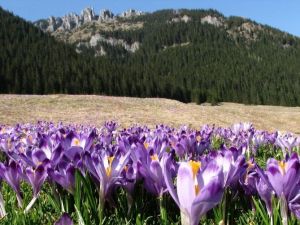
(94, 110)
(187, 55)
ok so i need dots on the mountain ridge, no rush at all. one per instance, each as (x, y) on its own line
(187, 55)
(86, 29)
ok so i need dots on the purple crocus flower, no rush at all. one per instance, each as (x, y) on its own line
(75, 145)
(264, 189)
(198, 190)
(111, 126)
(288, 142)
(284, 178)
(36, 177)
(249, 180)
(65, 219)
(294, 201)
(233, 167)
(64, 175)
(106, 170)
(283, 175)
(150, 168)
(12, 174)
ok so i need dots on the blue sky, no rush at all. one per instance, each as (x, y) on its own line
(282, 14)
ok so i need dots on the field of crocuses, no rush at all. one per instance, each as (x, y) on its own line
(72, 174)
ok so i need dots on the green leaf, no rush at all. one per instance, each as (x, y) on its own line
(78, 190)
(80, 219)
(138, 220)
(261, 210)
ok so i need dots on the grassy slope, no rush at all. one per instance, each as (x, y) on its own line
(127, 111)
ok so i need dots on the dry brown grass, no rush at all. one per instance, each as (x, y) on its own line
(148, 111)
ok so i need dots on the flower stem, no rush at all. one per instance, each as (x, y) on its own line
(225, 207)
(163, 211)
(31, 203)
(2, 207)
(101, 205)
(283, 210)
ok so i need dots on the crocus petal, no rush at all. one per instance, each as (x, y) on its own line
(90, 165)
(71, 152)
(265, 192)
(90, 140)
(185, 187)
(156, 171)
(166, 160)
(275, 178)
(36, 178)
(56, 155)
(226, 163)
(209, 173)
(208, 198)
(294, 202)
(12, 175)
(292, 176)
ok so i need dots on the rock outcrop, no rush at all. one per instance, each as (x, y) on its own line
(216, 21)
(54, 23)
(184, 19)
(88, 15)
(247, 30)
(106, 16)
(131, 13)
(72, 20)
(98, 38)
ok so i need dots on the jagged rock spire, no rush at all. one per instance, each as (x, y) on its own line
(72, 20)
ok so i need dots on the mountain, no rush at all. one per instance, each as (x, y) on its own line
(188, 55)
(84, 29)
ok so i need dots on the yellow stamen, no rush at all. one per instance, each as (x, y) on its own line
(195, 167)
(197, 189)
(282, 165)
(108, 170)
(110, 160)
(154, 157)
(76, 142)
(250, 165)
(146, 145)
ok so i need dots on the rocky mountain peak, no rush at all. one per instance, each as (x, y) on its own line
(88, 15)
(105, 15)
(72, 20)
